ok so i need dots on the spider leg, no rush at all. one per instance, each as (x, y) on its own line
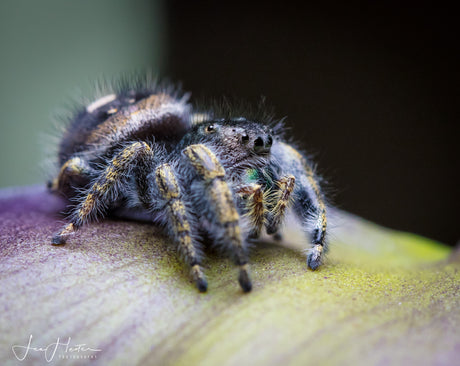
(105, 188)
(253, 195)
(310, 206)
(219, 207)
(278, 202)
(309, 203)
(75, 172)
(179, 223)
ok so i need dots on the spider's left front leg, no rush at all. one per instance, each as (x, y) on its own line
(218, 207)
(310, 206)
(309, 203)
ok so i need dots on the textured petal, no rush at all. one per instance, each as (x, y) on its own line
(382, 297)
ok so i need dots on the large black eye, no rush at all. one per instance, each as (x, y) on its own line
(245, 138)
(259, 143)
(269, 141)
(210, 128)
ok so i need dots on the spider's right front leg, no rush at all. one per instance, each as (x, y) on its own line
(179, 223)
(219, 208)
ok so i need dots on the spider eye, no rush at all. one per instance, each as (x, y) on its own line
(210, 128)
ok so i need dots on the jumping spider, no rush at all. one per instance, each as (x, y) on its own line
(194, 172)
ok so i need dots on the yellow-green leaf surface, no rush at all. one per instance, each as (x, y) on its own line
(382, 297)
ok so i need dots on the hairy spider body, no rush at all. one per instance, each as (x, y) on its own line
(195, 174)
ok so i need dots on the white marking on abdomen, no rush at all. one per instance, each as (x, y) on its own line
(100, 102)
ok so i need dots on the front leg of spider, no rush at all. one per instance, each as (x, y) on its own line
(310, 206)
(105, 189)
(180, 226)
(216, 199)
(307, 209)
(298, 188)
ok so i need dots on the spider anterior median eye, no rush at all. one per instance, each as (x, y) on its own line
(269, 141)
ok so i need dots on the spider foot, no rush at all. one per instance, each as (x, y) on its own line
(277, 236)
(243, 278)
(199, 278)
(62, 236)
(314, 257)
(253, 235)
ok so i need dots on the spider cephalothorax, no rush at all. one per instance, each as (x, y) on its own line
(228, 177)
(239, 143)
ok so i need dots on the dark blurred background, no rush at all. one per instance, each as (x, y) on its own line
(370, 88)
